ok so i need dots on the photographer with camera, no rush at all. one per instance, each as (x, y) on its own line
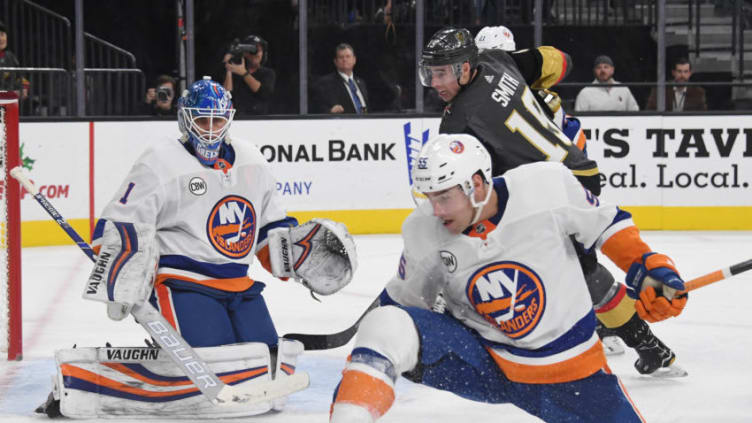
(160, 100)
(246, 77)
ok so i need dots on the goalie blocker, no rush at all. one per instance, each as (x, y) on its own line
(320, 254)
(143, 382)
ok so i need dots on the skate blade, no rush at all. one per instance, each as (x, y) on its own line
(671, 371)
(612, 345)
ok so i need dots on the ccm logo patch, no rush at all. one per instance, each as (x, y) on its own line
(510, 295)
(197, 186)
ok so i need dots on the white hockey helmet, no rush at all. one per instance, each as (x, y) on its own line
(495, 38)
(448, 160)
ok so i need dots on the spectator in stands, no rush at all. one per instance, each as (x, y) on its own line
(160, 100)
(602, 96)
(246, 76)
(11, 81)
(681, 97)
(341, 91)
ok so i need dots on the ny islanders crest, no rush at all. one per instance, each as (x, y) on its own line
(509, 295)
(231, 226)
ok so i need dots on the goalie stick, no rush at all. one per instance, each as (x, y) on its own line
(171, 342)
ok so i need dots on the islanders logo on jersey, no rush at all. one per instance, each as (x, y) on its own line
(509, 295)
(456, 147)
(231, 226)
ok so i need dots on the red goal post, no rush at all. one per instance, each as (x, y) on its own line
(10, 230)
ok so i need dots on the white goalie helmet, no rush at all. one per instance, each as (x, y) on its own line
(495, 38)
(448, 160)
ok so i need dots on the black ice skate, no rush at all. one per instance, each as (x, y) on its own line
(655, 358)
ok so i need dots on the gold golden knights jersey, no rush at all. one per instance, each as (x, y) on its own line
(209, 222)
(516, 278)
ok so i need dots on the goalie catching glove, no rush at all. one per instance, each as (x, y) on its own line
(124, 270)
(320, 254)
(653, 283)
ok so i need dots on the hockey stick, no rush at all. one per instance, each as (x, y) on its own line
(170, 341)
(717, 275)
(333, 340)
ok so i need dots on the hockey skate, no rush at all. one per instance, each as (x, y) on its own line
(655, 358)
(612, 345)
(51, 407)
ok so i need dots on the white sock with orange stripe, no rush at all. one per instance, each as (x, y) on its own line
(387, 345)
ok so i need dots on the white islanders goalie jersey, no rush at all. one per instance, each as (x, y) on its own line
(516, 278)
(209, 222)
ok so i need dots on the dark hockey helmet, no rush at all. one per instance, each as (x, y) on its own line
(449, 46)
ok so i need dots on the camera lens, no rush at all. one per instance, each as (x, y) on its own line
(164, 94)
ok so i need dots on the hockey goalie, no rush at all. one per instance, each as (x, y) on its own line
(179, 236)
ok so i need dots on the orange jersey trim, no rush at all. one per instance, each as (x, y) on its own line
(575, 368)
(364, 390)
(229, 284)
(625, 247)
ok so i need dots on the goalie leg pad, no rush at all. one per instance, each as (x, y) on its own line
(143, 382)
(319, 253)
(288, 351)
(125, 267)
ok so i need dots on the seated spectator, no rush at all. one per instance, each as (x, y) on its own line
(341, 91)
(11, 81)
(160, 100)
(246, 76)
(603, 97)
(680, 97)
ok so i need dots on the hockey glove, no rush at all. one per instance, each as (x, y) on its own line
(123, 273)
(653, 282)
(320, 254)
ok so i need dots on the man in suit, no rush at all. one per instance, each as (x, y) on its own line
(681, 97)
(341, 91)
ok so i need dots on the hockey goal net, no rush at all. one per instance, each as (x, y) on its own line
(10, 230)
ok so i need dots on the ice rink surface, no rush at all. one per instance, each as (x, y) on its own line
(712, 338)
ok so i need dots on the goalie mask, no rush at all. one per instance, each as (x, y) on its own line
(452, 47)
(495, 38)
(204, 115)
(450, 160)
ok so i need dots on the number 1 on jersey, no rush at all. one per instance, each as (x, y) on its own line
(124, 198)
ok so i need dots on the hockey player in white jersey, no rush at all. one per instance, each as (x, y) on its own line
(181, 232)
(490, 302)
